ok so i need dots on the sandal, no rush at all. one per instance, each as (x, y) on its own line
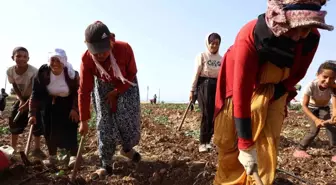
(301, 154)
(101, 173)
(133, 155)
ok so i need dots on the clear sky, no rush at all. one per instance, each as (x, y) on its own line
(165, 35)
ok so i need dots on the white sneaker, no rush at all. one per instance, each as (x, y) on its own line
(72, 161)
(52, 160)
(208, 146)
(202, 148)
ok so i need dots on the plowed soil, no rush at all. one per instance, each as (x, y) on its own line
(171, 157)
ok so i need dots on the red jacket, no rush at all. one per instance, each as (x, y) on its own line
(237, 77)
(124, 56)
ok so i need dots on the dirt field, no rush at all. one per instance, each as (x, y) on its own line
(172, 158)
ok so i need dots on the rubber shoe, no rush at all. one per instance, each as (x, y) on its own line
(202, 148)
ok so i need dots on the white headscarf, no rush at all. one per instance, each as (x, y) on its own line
(61, 55)
(115, 67)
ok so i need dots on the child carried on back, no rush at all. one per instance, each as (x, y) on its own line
(316, 105)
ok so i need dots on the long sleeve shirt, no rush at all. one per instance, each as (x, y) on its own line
(206, 65)
(238, 78)
(40, 89)
(124, 56)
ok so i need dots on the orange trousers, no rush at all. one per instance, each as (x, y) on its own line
(267, 119)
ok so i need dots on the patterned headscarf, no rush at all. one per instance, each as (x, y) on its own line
(62, 57)
(283, 15)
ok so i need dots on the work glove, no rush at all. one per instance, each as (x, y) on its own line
(248, 158)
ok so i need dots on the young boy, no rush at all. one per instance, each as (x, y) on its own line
(3, 97)
(21, 76)
(316, 105)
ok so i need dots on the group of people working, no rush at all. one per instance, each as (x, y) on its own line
(56, 99)
(242, 95)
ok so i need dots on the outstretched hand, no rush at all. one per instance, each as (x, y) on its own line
(32, 120)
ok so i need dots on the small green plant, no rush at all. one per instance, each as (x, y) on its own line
(93, 120)
(4, 130)
(161, 120)
(197, 108)
(297, 107)
(147, 112)
(193, 133)
(174, 106)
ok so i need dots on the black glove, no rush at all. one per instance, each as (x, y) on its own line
(279, 90)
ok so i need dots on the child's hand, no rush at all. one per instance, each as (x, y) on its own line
(319, 123)
(32, 120)
(23, 106)
(333, 119)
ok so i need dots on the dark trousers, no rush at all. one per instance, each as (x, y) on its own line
(21, 123)
(206, 100)
(60, 130)
(322, 113)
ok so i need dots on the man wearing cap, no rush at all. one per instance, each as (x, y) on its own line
(108, 69)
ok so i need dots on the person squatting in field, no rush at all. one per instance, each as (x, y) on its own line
(55, 97)
(21, 76)
(204, 87)
(153, 101)
(108, 69)
(270, 55)
(316, 105)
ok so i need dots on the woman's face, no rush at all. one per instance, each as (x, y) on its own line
(56, 65)
(101, 57)
(214, 46)
(298, 33)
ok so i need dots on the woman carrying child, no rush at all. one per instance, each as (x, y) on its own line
(315, 105)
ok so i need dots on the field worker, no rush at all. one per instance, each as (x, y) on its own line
(207, 65)
(108, 69)
(316, 105)
(55, 96)
(270, 55)
(21, 76)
